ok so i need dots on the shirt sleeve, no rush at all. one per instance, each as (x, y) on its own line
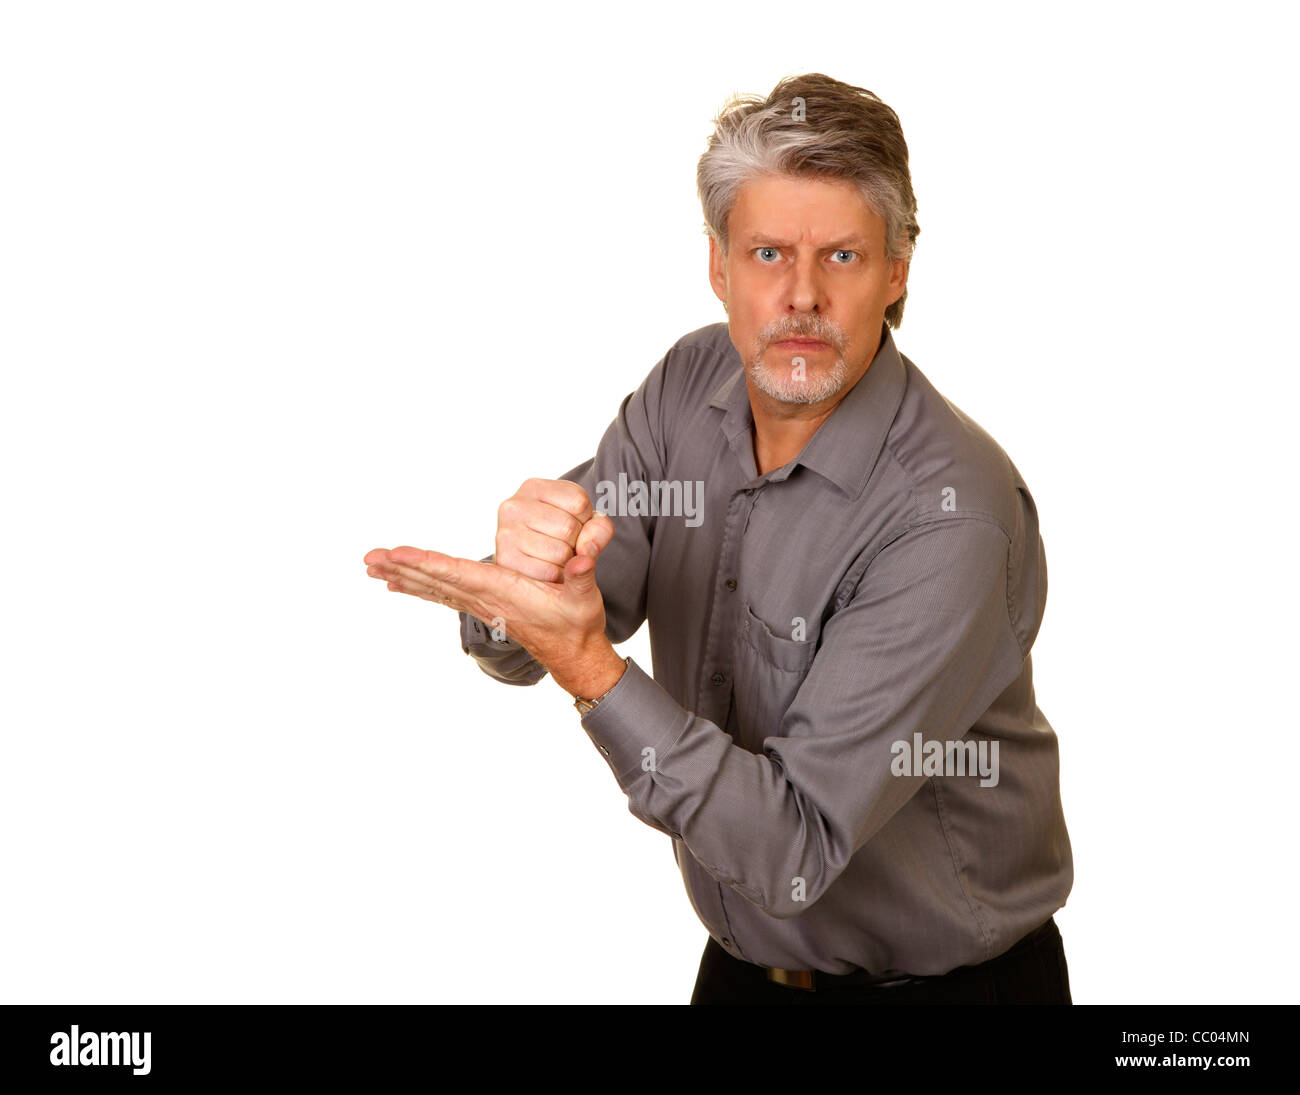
(633, 444)
(502, 659)
(925, 645)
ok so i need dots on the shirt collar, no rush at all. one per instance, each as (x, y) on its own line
(845, 447)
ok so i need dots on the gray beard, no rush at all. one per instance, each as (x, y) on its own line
(815, 386)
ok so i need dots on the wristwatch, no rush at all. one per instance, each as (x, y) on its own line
(584, 706)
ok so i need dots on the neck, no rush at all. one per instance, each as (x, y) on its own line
(781, 430)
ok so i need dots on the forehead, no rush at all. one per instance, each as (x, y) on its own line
(802, 210)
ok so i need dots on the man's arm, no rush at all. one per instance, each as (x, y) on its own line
(633, 444)
(925, 646)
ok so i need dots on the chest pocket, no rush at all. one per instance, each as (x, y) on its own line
(769, 670)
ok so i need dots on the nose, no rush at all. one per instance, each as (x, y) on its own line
(805, 291)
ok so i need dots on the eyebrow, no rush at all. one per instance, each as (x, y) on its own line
(855, 242)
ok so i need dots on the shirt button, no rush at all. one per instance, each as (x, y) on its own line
(725, 941)
(717, 678)
(731, 583)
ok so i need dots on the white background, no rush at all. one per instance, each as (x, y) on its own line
(284, 282)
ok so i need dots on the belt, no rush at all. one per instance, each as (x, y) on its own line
(810, 979)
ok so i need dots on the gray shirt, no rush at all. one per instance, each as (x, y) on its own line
(841, 735)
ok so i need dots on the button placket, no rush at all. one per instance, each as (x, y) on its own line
(716, 668)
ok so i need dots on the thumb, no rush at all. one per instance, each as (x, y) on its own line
(580, 576)
(595, 535)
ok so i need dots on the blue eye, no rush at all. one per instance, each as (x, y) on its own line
(768, 255)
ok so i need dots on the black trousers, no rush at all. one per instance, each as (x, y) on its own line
(1031, 972)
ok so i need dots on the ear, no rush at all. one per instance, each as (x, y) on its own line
(717, 271)
(897, 280)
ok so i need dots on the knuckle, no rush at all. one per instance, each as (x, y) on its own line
(576, 493)
(538, 569)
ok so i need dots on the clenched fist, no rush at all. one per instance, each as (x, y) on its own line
(544, 524)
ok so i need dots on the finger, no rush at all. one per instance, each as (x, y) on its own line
(509, 558)
(399, 582)
(465, 579)
(595, 536)
(416, 583)
(381, 565)
(561, 493)
(403, 577)
(519, 513)
(556, 522)
(536, 545)
(411, 578)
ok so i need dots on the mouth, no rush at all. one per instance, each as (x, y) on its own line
(805, 344)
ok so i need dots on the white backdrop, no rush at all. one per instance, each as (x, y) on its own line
(283, 282)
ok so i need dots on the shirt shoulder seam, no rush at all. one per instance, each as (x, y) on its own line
(854, 576)
(848, 586)
(913, 489)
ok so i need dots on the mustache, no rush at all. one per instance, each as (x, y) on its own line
(818, 327)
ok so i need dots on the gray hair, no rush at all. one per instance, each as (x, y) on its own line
(815, 127)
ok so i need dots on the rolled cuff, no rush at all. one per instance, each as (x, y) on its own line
(474, 631)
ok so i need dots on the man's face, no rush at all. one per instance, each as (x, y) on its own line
(805, 285)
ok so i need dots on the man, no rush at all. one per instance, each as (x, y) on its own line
(843, 577)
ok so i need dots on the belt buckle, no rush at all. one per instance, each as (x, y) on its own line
(795, 979)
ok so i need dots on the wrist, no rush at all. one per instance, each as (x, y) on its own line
(593, 673)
